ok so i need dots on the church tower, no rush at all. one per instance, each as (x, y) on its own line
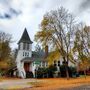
(24, 51)
(25, 45)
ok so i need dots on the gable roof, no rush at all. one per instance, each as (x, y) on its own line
(36, 56)
(39, 54)
(25, 37)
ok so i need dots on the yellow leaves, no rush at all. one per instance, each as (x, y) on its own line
(44, 22)
(46, 32)
(43, 36)
(71, 57)
(87, 29)
(54, 55)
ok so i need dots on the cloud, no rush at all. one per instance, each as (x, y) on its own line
(7, 11)
(5, 16)
(15, 12)
(15, 15)
(38, 4)
(84, 6)
(9, 15)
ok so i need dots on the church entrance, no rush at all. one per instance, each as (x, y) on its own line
(29, 74)
(26, 67)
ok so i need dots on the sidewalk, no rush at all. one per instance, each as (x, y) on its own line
(16, 84)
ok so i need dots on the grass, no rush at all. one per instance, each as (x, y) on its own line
(36, 84)
(55, 83)
(52, 83)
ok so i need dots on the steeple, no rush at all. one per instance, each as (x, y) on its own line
(25, 37)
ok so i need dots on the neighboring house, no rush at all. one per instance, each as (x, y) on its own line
(27, 61)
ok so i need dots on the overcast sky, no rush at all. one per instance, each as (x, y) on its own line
(15, 15)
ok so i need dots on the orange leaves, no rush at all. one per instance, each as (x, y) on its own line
(3, 64)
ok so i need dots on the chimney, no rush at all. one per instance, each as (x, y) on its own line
(46, 50)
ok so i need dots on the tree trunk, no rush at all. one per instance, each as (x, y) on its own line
(67, 72)
(66, 68)
(85, 73)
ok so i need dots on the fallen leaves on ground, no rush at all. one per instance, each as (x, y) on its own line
(56, 83)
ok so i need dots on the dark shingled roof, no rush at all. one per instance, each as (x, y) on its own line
(32, 59)
(25, 37)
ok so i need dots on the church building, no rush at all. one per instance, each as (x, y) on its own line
(28, 61)
(23, 60)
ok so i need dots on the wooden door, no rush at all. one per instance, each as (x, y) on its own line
(27, 67)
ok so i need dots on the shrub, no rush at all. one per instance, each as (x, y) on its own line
(29, 74)
(51, 71)
(72, 71)
(45, 72)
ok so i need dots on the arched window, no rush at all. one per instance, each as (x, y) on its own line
(55, 63)
(58, 63)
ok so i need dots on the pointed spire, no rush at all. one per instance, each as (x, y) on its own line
(25, 37)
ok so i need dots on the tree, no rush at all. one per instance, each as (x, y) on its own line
(56, 31)
(38, 48)
(82, 47)
(5, 50)
(53, 55)
(12, 59)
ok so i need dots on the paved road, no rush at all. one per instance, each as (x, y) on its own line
(17, 84)
(82, 87)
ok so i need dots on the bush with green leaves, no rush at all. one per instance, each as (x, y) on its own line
(45, 72)
(72, 71)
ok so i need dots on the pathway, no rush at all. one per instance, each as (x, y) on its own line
(16, 84)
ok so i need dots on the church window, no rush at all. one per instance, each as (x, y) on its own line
(23, 53)
(43, 64)
(27, 46)
(24, 45)
(55, 63)
(58, 63)
(46, 64)
(27, 54)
